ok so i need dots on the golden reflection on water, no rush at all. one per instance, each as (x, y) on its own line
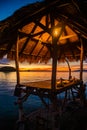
(36, 76)
(8, 76)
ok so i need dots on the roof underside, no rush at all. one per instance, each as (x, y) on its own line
(34, 24)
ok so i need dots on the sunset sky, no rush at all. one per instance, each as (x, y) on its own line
(60, 67)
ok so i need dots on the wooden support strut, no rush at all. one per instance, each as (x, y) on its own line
(82, 87)
(17, 62)
(17, 91)
(81, 59)
(54, 64)
(55, 56)
(69, 68)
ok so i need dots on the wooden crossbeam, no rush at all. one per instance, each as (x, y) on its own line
(27, 40)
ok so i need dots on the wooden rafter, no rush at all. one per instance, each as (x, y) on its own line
(37, 42)
(40, 51)
(17, 61)
(30, 53)
(81, 59)
(30, 35)
(27, 40)
(46, 29)
(74, 25)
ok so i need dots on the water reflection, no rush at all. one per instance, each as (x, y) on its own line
(7, 86)
(34, 76)
(8, 76)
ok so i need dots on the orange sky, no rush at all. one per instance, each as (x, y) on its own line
(61, 66)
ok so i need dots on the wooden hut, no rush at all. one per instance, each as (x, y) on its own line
(41, 31)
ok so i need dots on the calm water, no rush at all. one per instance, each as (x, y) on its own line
(7, 86)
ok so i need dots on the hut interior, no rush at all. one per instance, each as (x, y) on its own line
(42, 31)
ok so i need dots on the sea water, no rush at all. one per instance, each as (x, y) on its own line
(8, 109)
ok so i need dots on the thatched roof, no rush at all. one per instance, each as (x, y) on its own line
(34, 24)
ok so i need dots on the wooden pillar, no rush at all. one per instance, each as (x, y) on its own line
(68, 67)
(82, 86)
(81, 60)
(54, 64)
(17, 89)
(55, 38)
(17, 62)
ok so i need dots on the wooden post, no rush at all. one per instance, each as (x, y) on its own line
(68, 67)
(17, 90)
(81, 60)
(55, 39)
(17, 62)
(54, 64)
(82, 86)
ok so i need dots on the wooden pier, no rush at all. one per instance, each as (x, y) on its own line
(44, 87)
(43, 90)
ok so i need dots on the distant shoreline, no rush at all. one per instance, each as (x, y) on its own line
(12, 69)
(40, 70)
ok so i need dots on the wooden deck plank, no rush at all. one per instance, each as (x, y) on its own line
(46, 85)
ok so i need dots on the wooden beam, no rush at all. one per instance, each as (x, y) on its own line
(81, 59)
(30, 35)
(68, 67)
(27, 40)
(46, 29)
(55, 54)
(17, 62)
(67, 37)
(54, 64)
(36, 43)
(40, 50)
(33, 48)
(45, 55)
(78, 28)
